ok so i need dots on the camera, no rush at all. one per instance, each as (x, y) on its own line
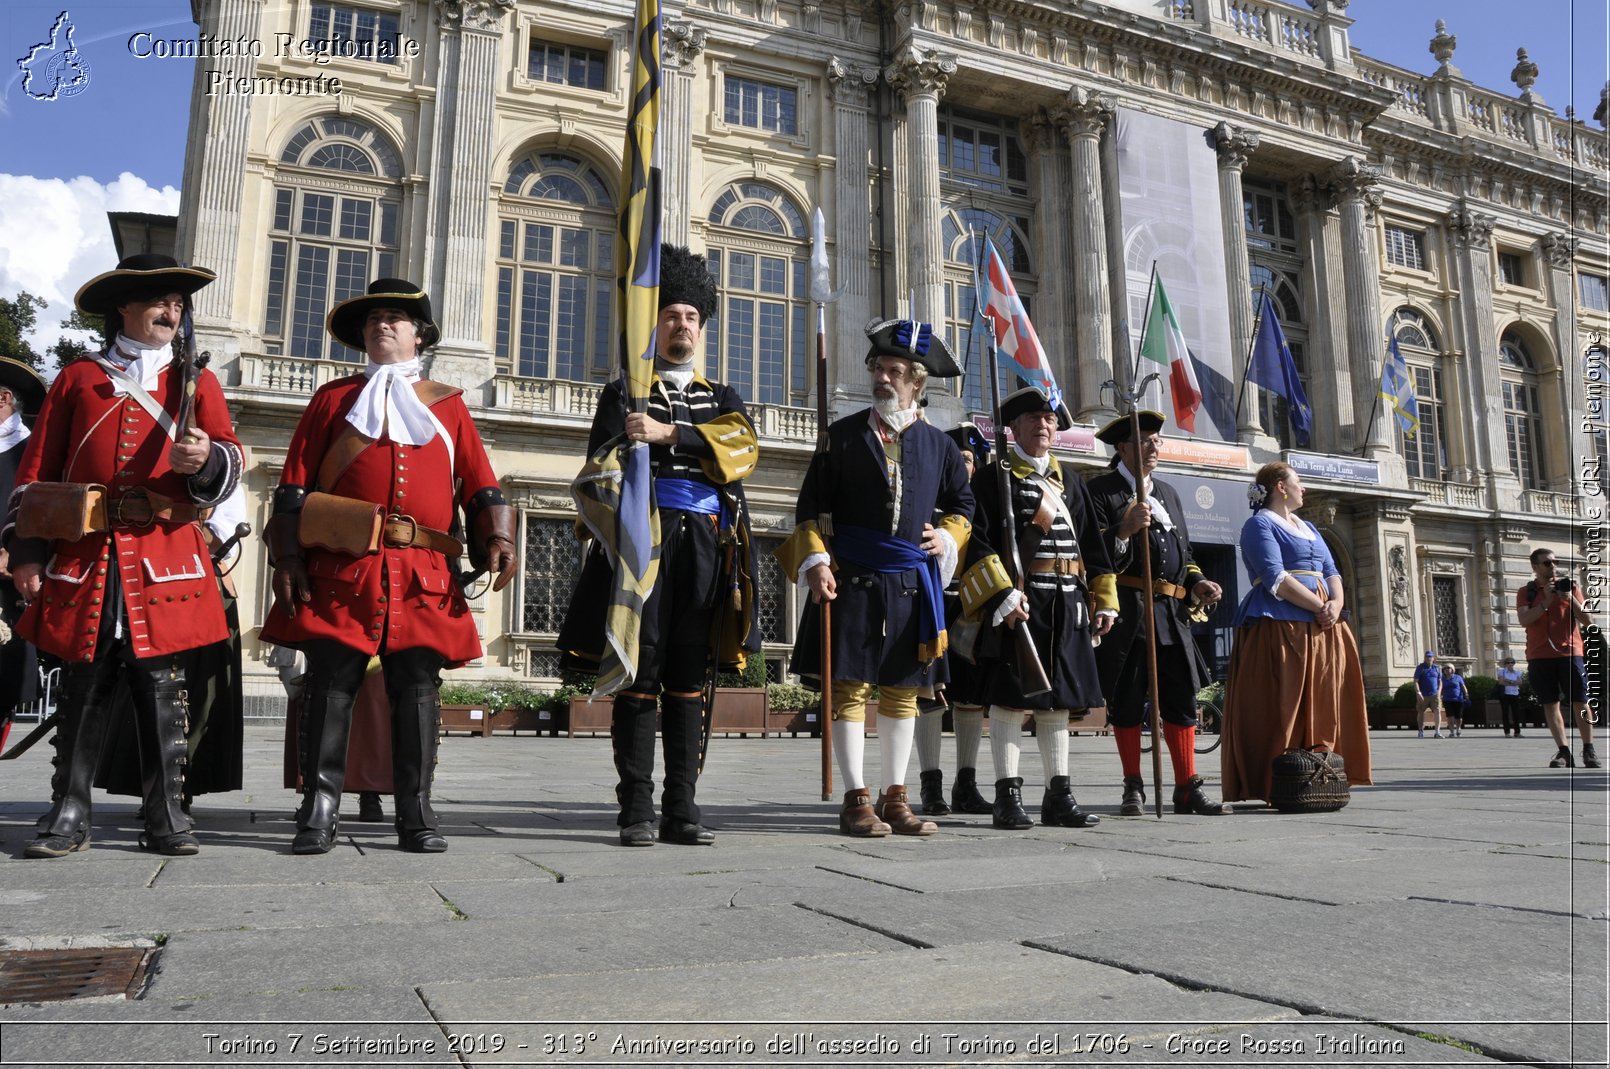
(1564, 585)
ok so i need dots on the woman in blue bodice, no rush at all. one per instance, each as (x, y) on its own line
(1295, 678)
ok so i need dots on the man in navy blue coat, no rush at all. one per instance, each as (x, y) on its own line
(866, 541)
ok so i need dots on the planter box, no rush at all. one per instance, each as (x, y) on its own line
(474, 719)
(793, 721)
(740, 711)
(590, 717)
(1393, 716)
(515, 721)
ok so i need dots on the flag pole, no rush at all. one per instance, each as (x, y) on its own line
(1386, 354)
(1252, 344)
(823, 294)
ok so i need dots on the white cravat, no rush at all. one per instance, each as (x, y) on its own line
(388, 403)
(12, 431)
(1160, 514)
(142, 365)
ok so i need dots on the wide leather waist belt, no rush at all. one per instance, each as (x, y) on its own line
(1160, 588)
(142, 508)
(401, 532)
(1056, 566)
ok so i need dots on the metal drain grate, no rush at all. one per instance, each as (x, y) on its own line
(86, 972)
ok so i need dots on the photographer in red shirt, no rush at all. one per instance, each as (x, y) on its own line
(1550, 609)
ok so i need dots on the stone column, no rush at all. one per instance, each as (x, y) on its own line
(214, 180)
(1084, 115)
(1354, 182)
(683, 44)
(1329, 377)
(462, 184)
(1050, 315)
(1564, 456)
(919, 75)
(850, 86)
(1235, 145)
(1475, 414)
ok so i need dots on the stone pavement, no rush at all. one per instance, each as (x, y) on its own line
(1454, 914)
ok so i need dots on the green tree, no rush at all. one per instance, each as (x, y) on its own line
(17, 317)
(69, 347)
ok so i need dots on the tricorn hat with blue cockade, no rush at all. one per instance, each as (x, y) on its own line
(914, 341)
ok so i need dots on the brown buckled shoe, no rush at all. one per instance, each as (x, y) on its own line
(857, 817)
(896, 812)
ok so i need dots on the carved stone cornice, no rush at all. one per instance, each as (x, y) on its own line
(1084, 112)
(1235, 145)
(1355, 180)
(920, 71)
(486, 16)
(1312, 195)
(848, 83)
(682, 43)
(1471, 230)
(1559, 250)
(1041, 133)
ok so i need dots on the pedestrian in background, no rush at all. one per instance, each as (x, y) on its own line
(1428, 695)
(1509, 696)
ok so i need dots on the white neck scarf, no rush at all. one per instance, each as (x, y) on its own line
(12, 431)
(898, 419)
(1160, 514)
(1041, 465)
(388, 404)
(142, 365)
(678, 375)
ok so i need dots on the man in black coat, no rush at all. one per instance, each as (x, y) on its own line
(1124, 515)
(21, 393)
(701, 609)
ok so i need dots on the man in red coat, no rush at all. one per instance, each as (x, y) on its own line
(106, 545)
(364, 559)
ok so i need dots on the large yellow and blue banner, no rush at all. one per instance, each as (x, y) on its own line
(615, 491)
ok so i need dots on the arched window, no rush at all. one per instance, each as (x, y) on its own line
(1523, 424)
(337, 196)
(556, 270)
(1425, 453)
(760, 255)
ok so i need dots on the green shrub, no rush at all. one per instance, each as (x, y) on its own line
(1404, 696)
(791, 697)
(1481, 687)
(1213, 692)
(464, 694)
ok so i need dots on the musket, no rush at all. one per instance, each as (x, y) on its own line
(190, 366)
(1030, 672)
(823, 294)
(1148, 603)
(32, 737)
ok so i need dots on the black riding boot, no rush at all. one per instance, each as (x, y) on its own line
(326, 727)
(964, 796)
(162, 760)
(1058, 809)
(933, 793)
(415, 714)
(631, 732)
(87, 705)
(1008, 809)
(682, 728)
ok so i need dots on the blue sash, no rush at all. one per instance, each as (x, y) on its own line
(689, 496)
(888, 555)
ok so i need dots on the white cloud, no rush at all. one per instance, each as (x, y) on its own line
(54, 237)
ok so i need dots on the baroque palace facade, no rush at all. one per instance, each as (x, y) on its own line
(1233, 144)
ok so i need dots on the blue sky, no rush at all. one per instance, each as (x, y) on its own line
(119, 143)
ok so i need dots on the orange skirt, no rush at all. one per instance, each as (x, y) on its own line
(1292, 686)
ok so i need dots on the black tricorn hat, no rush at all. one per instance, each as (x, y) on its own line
(136, 278)
(1118, 429)
(345, 322)
(1030, 399)
(684, 279)
(968, 437)
(24, 382)
(914, 341)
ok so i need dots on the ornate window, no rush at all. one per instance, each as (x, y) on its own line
(561, 64)
(555, 270)
(760, 256)
(772, 612)
(1511, 268)
(1270, 225)
(760, 105)
(355, 32)
(1522, 417)
(1425, 453)
(982, 151)
(552, 563)
(337, 200)
(1405, 247)
(1594, 291)
(1448, 608)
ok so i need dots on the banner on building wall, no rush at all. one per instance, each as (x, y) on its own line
(1168, 206)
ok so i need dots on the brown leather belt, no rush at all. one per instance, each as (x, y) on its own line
(141, 508)
(1161, 588)
(1056, 566)
(401, 532)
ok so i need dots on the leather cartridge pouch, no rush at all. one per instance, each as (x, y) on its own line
(343, 524)
(61, 511)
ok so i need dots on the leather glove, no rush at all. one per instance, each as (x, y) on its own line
(291, 587)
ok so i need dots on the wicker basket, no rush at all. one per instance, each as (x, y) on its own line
(1309, 782)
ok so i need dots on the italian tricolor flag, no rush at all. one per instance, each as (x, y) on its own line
(1165, 343)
